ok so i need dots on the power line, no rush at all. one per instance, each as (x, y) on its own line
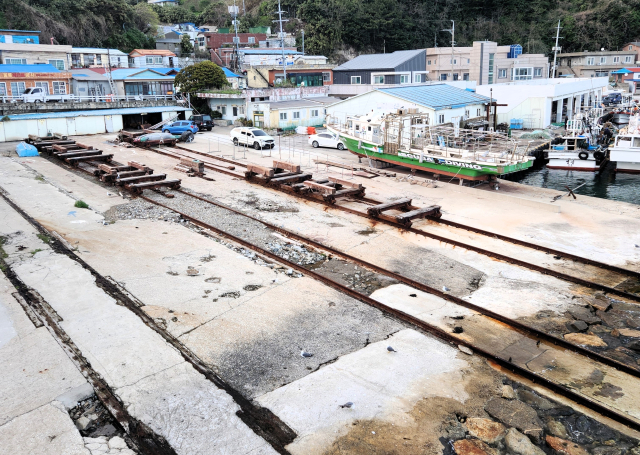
(280, 20)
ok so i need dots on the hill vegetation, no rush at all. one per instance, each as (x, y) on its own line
(342, 29)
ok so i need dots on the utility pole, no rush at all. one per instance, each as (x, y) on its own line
(452, 30)
(302, 42)
(280, 21)
(555, 50)
(233, 10)
(384, 46)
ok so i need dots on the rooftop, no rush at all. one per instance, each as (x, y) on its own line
(303, 102)
(269, 52)
(580, 54)
(229, 73)
(151, 52)
(96, 50)
(436, 97)
(379, 61)
(29, 69)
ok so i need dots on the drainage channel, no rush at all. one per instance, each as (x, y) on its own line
(262, 421)
(418, 323)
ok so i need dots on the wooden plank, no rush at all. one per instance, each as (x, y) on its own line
(391, 205)
(350, 192)
(286, 166)
(74, 153)
(405, 218)
(335, 164)
(139, 187)
(65, 147)
(59, 136)
(261, 170)
(135, 173)
(84, 146)
(142, 167)
(324, 189)
(78, 159)
(345, 183)
(365, 174)
(141, 179)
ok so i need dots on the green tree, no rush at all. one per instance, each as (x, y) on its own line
(200, 76)
(185, 44)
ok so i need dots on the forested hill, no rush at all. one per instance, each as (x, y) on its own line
(342, 29)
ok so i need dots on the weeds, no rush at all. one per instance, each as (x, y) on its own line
(81, 204)
(37, 250)
(45, 238)
(40, 178)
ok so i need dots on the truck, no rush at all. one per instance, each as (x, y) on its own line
(39, 95)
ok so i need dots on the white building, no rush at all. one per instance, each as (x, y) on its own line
(542, 102)
(152, 58)
(91, 57)
(443, 103)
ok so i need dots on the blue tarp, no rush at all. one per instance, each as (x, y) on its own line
(24, 149)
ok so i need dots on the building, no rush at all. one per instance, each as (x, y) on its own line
(169, 44)
(141, 82)
(594, 64)
(20, 36)
(628, 77)
(443, 103)
(90, 84)
(88, 57)
(151, 58)
(635, 47)
(306, 70)
(539, 103)
(237, 81)
(218, 40)
(399, 67)
(287, 115)
(15, 79)
(247, 57)
(485, 63)
(31, 54)
(247, 103)
(163, 2)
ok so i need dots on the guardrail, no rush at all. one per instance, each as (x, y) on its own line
(100, 99)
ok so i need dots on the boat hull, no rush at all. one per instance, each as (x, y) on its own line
(626, 160)
(449, 167)
(574, 164)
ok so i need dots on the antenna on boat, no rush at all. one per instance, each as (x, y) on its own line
(452, 30)
(556, 49)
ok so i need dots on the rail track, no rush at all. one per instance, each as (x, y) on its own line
(414, 321)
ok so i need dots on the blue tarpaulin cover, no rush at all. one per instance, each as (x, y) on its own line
(25, 149)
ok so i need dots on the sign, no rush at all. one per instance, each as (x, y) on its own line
(429, 159)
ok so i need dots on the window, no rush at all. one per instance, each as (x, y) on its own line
(603, 60)
(443, 77)
(158, 60)
(502, 73)
(3, 89)
(378, 79)
(356, 80)
(441, 118)
(630, 48)
(521, 74)
(537, 72)
(591, 60)
(59, 64)
(252, 40)
(466, 114)
(43, 85)
(636, 142)
(326, 77)
(405, 78)
(491, 60)
(149, 60)
(314, 113)
(98, 59)
(602, 73)
(627, 59)
(296, 115)
(465, 76)
(428, 62)
(17, 88)
(283, 115)
(616, 59)
(455, 76)
(235, 111)
(15, 61)
(223, 110)
(417, 78)
(468, 60)
(59, 88)
(454, 61)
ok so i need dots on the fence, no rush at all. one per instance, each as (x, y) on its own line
(101, 99)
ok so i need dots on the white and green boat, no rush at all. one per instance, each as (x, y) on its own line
(406, 139)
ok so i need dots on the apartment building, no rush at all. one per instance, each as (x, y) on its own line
(16, 78)
(35, 54)
(595, 64)
(151, 58)
(486, 63)
(635, 47)
(90, 57)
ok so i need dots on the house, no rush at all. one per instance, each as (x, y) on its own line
(170, 44)
(86, 83)
(247, 57)
(87, 57)
(594, 64)
(540, 102)
(632, 46)
(215, 40)
(20, 36)
(287, 115)
(15, 79)
(152, 82)
(306, 70)
(630, 76)
(151, 58)
(485, 63)
(443, 103)
(30, 54)
(237, 81)
(399, 67)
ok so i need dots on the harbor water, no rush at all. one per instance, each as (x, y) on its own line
(606, 184)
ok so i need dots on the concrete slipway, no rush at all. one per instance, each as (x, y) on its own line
(249, 322)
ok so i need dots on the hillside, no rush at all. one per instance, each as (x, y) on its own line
(342, 29)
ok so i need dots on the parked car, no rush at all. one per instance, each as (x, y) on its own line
(326, 140)
(253, 137)
(203, 122)
(612, 99)
(40, 95)
(180, 127)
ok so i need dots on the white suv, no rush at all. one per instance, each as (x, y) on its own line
(253, 137)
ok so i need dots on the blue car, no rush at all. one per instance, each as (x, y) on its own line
(180, 127)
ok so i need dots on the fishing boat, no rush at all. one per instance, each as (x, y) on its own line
(626, 149)
(576, 150)
(406, 138)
